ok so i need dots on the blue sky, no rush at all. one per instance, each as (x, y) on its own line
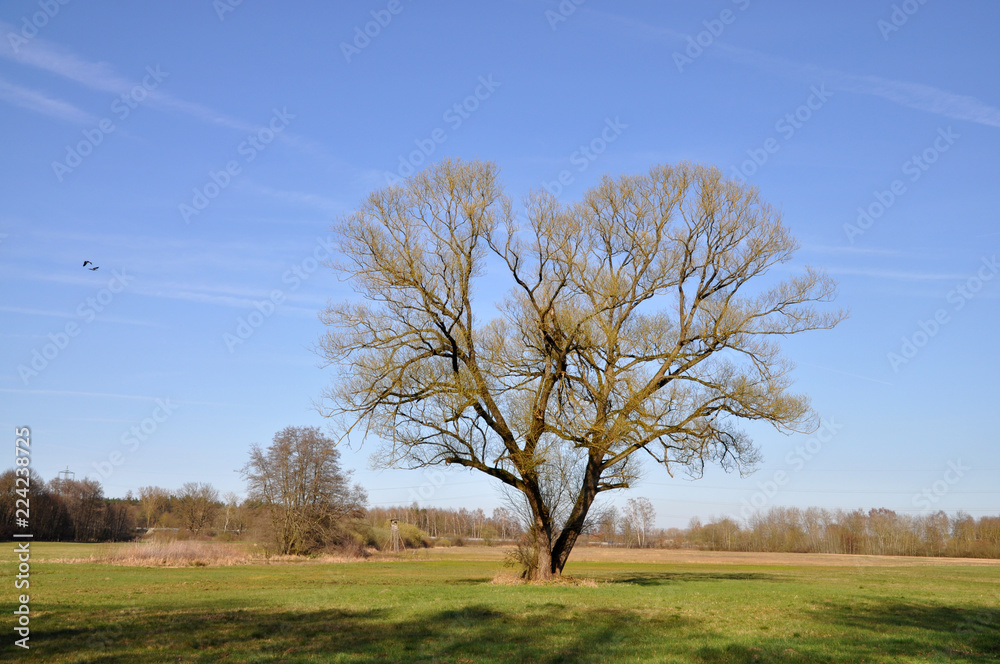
(198, 152)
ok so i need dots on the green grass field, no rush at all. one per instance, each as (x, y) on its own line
(440, 607)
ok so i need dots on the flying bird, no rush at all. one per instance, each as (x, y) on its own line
(94, 268)
(86, 263)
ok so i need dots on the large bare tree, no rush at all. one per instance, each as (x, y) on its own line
(300, 484)
(198, 503)
(631, 325)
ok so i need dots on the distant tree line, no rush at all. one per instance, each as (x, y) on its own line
(65, 510)
(455, 525)
(71, 510)
(876, 532)
(195, 508)
(300, 506)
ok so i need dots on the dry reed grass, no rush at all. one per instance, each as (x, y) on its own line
(198, 553)
(177, 553)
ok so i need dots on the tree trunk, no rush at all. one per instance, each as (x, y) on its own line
(544, 568)
(553, 551)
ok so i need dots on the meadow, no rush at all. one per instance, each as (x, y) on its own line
(445, 605)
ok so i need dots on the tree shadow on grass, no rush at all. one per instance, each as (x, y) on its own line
(543, 633)
(880, 631)
(644, 578)
(663, 578)
(468, 581)
(475, 633)
(963, 633)
(951, 619)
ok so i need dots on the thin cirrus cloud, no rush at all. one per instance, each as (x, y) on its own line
(221, 295)
(296, 303)
(101, 76)
(45, 55)
(111, 395)
(896, 275)
(912, 95)
(33, 100)
(923, 98)
(306, 199)
(69, 314)
(849, 250)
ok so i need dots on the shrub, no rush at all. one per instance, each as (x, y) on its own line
(524, 556)
(381, 537)
(413, 537)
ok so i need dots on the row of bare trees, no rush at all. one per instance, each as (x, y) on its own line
(462, 523)
(781, 529)
(65, 510)
(299, 500)
(634, 525)
(77, 510)
(876, 532)
(195, 508)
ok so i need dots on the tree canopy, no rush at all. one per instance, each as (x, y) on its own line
(631, 325)
(300, 483)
